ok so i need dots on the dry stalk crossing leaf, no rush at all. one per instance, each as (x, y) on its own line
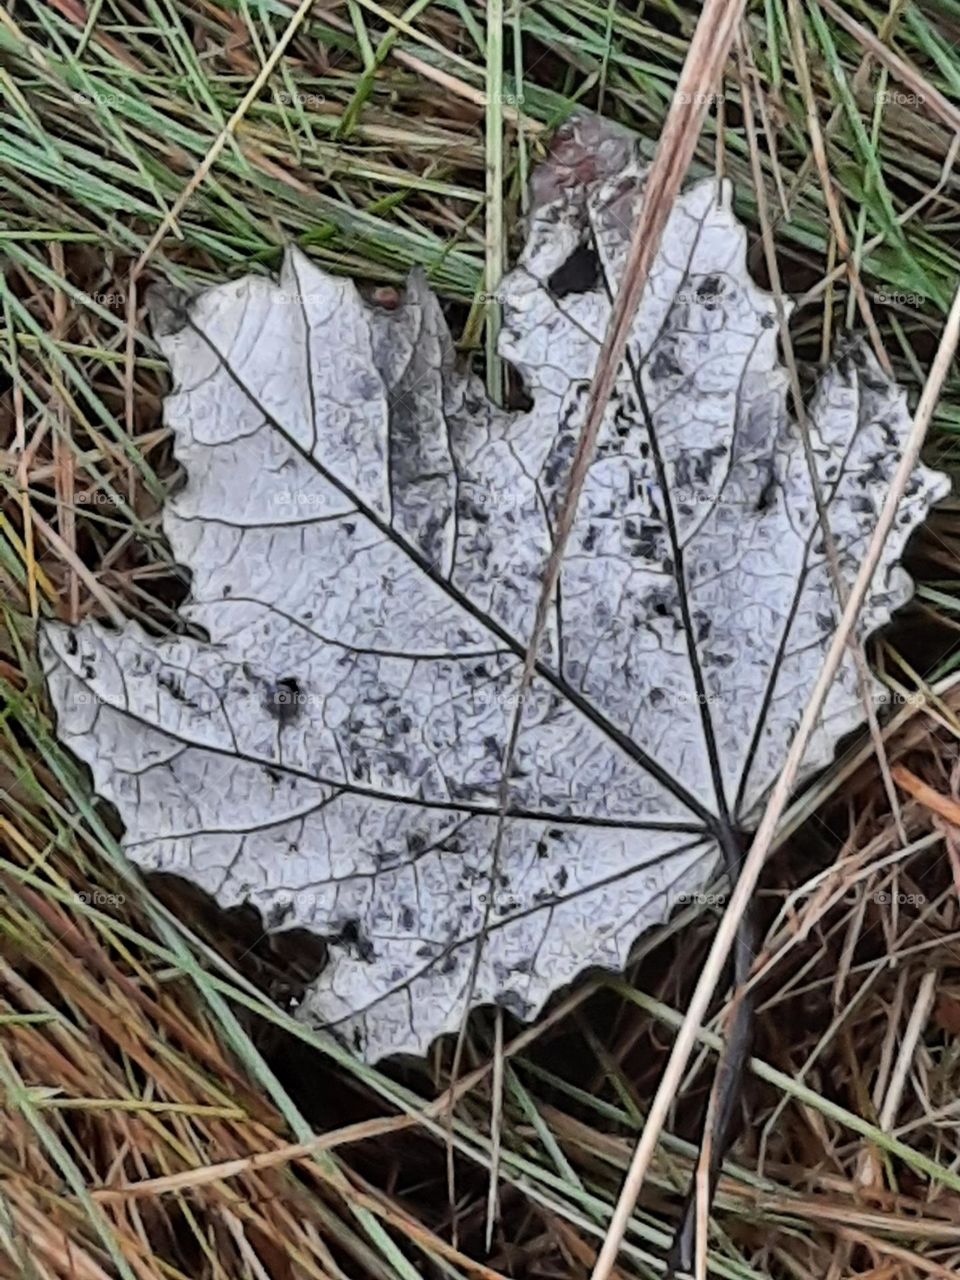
(366, 535)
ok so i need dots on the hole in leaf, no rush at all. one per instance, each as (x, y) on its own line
(580, 273)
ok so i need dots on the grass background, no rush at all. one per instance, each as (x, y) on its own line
(144, 1039)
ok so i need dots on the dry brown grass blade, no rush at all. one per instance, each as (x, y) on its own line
(70, 558)
(868, 1209)
(360, 1132)
(926, 795)
(708, 52)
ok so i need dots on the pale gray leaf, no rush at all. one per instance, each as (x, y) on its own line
(367, 535)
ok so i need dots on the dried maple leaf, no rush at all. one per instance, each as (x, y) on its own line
(366, 536)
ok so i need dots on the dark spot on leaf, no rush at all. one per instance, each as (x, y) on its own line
(279, 912)
(709, 291)
(765, 498)
(663, 365)
(578, 274)
(717, 659)
(173, 684)
(558, 461)
(352, 938)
